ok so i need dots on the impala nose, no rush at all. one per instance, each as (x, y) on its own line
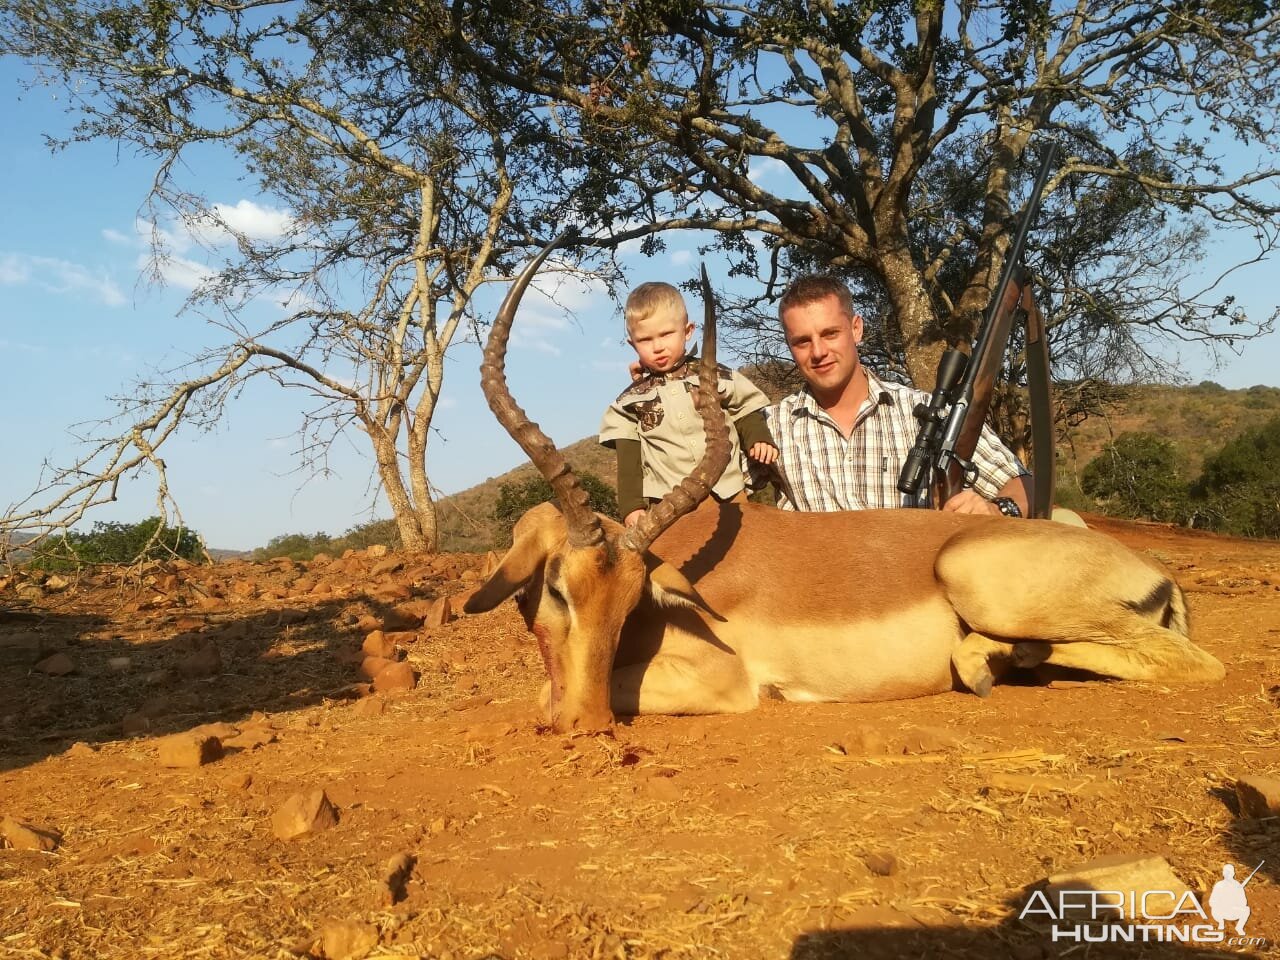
(585, 720)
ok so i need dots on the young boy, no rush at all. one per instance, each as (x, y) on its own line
(653, 426)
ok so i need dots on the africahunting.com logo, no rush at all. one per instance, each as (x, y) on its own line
(1085, 915)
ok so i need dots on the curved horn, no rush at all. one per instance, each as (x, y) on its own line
(693, 489)
(584, 525)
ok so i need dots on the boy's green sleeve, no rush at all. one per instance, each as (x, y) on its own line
(630, 476)
(753, 429)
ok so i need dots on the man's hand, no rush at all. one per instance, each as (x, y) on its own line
(763, 452)
(633, 516)
(970, 501)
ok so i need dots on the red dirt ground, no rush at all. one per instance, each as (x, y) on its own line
(914, 828)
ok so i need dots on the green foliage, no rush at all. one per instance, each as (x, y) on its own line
(1239, 488)
(1138, 476)
(109, 543)
(301, 546)
(515, 498)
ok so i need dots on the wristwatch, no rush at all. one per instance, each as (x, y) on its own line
(1008, 506)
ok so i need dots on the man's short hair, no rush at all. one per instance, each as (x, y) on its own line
(651, 298)
(815, 287)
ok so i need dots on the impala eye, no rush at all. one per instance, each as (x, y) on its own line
(556, 595)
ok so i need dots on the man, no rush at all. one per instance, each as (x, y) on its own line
(843, 437)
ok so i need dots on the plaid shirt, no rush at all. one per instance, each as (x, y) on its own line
(822, 471)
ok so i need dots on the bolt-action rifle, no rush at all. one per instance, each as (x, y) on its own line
(952, 419)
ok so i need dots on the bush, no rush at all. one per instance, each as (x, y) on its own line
(1137, 476)
(515, 498)
(109, 543)
(1239, 489)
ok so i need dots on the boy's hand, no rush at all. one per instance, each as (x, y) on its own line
(636, 370)
(633, 516)
(763, 452)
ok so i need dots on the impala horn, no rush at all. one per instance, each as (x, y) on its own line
(584, 526)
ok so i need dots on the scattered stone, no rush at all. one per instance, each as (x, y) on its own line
(376, 551)
(379, 644)
(490, 731)
(491, 562)
(471, 703)
(397, 676)
(394, 876)
(406, 616)
(56, 584)
(368, 624)
(223, 731)
(22, 836)
(371, 706)
(465, 683)
(251, 738)
(189, 750)
(235, 782)
(57, 665)
(80, 750)
(389, 565)
(291, 615)
(389, 594)
(347, 939)
(119, 664)
(882, 863)
(1258, 796)
(167, 582)
(439, 613)
(304, 813)
(205, 662)
(865, 741)
(1131, 874)
(929, 740)
(469, 576)
(372, 666)
(246, 589)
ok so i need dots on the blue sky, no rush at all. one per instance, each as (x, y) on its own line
(79, 321)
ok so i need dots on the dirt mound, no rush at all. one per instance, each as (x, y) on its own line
(434, 816)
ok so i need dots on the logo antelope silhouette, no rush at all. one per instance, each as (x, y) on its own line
(703, 607)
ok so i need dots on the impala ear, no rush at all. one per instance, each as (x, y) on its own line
(515, 571)
(669, 588)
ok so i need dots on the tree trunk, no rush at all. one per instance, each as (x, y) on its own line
(915, 321)
(412, 537)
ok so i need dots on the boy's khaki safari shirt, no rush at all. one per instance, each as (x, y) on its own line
(658, 411)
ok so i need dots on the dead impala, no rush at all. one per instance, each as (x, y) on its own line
(702, 607)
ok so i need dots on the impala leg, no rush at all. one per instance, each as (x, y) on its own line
(1146, 652)
(677, 685)
(980, 660)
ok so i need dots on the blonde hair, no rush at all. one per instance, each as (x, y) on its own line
(652, 298)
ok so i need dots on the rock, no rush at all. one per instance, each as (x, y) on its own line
(120, 664)
(439, 613)
(167, 582)
(245, 589)
(379, 644)
(22, 836)
(865, 741)
(57, 665)
(304, 813)
(189, 750)
(376, 551)
(929, 740)
(80, 750)
(465, 683)
(487, 732)
(1258, 796)
(405, 616)
(236, 782)
(469, 576)
(291, 615)
(205, 662)
(56, 584)
(370, 707)
(1040, 785)
(1130, 874)
(223, 731)
(372, 666)
(347, 939)
(491, 562)
(397, 676)
(882, 863)
(251, 738)
(368, 624)
(395, 875)
(389, 565)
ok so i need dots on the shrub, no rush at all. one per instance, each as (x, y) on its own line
(515, 498)
(1239, 488)
(112, 542)
(1137, 476)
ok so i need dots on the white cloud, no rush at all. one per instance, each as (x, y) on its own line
(680, 257)
(762, 167)
(117, 238)
(61, 277)
(248, 219)
(180, 272)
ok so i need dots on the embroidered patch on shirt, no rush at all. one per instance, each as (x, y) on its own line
(648, 413)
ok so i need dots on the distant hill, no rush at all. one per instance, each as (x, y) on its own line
(1198, 419)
